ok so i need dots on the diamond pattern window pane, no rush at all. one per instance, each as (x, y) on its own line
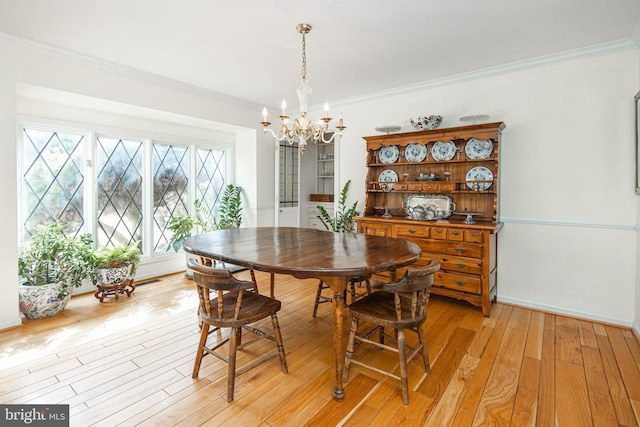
(119, 183)
(288, 175)
(170, 190)
(53, 180)
(210, 177)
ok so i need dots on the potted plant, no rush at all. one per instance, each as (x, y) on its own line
(342, 220)
(230, 216)
(51, 264)
(114, 265)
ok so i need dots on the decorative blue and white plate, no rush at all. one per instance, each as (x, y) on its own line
(479, 173)
(415, 152)
(389, 154)
(443, 150)
(388, 175)
(478, 149)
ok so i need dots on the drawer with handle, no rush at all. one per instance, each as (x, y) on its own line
(457, 282)
(455, 264)
(463, 249)
(411, 231)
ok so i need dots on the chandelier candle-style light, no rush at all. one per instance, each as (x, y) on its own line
(303, 129)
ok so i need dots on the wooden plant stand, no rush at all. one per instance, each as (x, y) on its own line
(105, 289)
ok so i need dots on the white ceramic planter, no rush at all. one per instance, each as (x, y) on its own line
(37, 302)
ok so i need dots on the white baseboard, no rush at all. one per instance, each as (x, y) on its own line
(572, 313)
(11, 323)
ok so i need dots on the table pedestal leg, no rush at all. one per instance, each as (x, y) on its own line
(338, 285)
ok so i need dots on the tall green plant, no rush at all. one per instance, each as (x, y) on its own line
(342, 221)
(230, 216)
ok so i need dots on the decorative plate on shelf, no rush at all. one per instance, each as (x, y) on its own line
(388, 175)
(443, 150)
(415, 152)
(478, 149)
(479, 173)
(389, 154)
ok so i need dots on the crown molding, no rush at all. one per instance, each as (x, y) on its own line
(609, 48)
(126, 72)
(617, 46)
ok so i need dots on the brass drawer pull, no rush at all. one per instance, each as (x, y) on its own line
(455, 233)
(460, 265)
(437, 231)
(460, 282)
(461, 250)
(411, 231)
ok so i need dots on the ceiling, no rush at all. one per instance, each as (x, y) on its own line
(250, 49)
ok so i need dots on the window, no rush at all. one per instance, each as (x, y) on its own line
(119, 192)
(288, 175)
(53, 180)
(123, 197)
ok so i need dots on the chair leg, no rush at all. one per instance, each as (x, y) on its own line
(279, 344)
(254, 281)
(231, 373)
(403, 366)
(318, 297)
(424, 351)
(350, 346)
(204, 333)
(272, 285)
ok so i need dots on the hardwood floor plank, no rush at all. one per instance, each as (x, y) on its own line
(617, 390)
(587, 334)
(443, 368)
(334, 412)
(572, 398)
(479, 381)
(451, 398)
(568, 341)
(625, 361)
(129, 363)
(546, 415)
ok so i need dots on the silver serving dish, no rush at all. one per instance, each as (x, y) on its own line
(428, 207)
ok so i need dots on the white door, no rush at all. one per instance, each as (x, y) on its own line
(287, 185)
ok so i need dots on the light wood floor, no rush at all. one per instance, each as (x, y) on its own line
(129, 363)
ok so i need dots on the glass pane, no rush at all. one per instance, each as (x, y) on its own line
(119, 197)
(288, 175)
(211, 172)
(53, 180)
(170, 190)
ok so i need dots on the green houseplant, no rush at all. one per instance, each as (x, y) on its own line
(230, 216)
(342, 220)
(51, 264)
(113, 265)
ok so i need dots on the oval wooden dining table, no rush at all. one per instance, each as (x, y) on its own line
(306, 253)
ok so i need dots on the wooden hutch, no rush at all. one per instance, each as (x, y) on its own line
(405, 174)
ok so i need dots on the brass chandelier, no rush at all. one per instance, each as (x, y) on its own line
(302, 129)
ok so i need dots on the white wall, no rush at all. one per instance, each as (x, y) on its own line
(29, 66)
(567, 176)
(569, 243)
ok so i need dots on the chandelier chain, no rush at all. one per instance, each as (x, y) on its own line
(304, 57)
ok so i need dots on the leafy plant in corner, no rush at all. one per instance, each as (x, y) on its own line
(342, 221)
(52, 257)
(230, 216)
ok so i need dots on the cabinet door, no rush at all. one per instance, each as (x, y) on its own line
(375, 229)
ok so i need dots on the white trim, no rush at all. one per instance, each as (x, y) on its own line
(609, 48)
(565, 223)
(563, 311)
(6, 325)
(622, 45)
(130, 73)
